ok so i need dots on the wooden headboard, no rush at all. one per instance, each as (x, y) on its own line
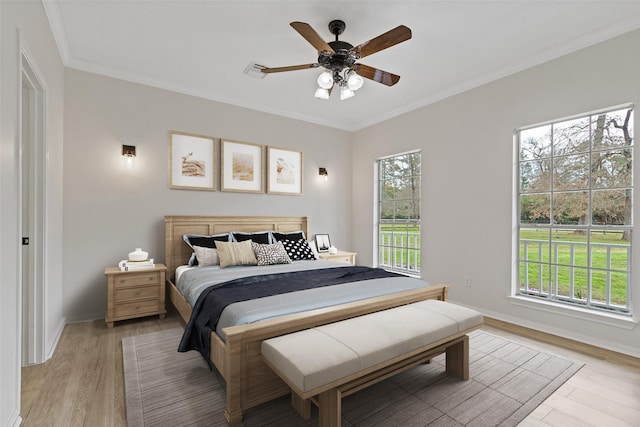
(177, 252)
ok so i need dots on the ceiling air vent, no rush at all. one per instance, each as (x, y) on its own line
(254, 70)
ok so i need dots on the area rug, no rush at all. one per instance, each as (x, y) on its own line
(507, 381)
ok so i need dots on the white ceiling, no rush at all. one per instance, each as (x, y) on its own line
(202, 47)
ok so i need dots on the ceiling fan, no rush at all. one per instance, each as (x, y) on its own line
(339, 59)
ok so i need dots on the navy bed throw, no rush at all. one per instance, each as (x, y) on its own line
(214, 299)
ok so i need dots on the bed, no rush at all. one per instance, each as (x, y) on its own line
(249, 382)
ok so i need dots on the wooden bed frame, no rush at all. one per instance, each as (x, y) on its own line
(248, 379)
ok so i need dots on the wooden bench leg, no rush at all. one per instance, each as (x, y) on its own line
(302, 406)
(458, 359)
(330, 408)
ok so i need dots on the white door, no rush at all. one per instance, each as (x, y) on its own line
(32, 164)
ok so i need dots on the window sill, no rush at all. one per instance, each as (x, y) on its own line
(610, 319)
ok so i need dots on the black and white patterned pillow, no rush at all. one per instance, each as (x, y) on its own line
(298, 249)
(270, 254)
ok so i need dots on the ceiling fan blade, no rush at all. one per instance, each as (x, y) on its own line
(376, 75)
(289, 68)
(311, 36)
(390, 38)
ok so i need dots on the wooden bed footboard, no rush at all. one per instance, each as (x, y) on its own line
(250, 382)
(253, 382)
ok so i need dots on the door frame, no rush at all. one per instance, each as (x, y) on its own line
(33, 289)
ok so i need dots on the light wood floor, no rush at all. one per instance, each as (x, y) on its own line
(83, 385)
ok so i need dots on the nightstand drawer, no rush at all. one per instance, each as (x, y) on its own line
(136, 293)
(340, 256)
(345, 258)
(136, 308)
(136, 279)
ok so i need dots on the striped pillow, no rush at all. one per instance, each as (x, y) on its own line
(232, 253)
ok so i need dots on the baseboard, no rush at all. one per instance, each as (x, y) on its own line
(87, 317)
(56, 339)
(15, 420)
(577, 346)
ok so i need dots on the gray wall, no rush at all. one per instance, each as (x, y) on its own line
(467, 187)
(109, 211)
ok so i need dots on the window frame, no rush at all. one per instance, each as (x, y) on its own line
(549, 293)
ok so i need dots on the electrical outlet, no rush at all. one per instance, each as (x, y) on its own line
(467, 281)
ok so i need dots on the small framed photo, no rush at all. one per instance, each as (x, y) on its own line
(242, 166)
(191, 161)
(285, 171)
(322, 242)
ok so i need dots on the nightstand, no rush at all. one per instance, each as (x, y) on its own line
(132, 294)
(340, 256)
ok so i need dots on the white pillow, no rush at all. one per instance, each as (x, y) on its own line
(313, 247)
(206, 256)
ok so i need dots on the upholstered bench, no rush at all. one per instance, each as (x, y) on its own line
(326, 363)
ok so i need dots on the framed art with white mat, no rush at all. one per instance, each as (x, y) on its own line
(241, 166)
(284, 174)
(191, 161)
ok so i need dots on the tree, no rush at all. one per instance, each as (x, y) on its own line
(587, 162)
(627, 165)
(400, 187)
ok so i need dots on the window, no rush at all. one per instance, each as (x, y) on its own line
(575, 199)
(399, 213)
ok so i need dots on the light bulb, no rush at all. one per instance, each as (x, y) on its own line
(321, 93)
(354, 81)
(346, 93)
(129, 162)
(325, 80)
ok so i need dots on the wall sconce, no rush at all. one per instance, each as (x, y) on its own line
(129, 156)
(323, 172)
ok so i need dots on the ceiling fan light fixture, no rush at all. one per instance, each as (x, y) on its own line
(354, 81)
(340, 59)
(321, 93)
(346, 93)
(325, 80)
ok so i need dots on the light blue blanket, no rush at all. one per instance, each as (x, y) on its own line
(193, 281)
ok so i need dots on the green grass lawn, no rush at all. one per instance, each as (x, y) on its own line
(405, 258)
(566, 265)
(578, 265)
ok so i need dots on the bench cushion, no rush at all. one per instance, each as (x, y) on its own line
(315, 357)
